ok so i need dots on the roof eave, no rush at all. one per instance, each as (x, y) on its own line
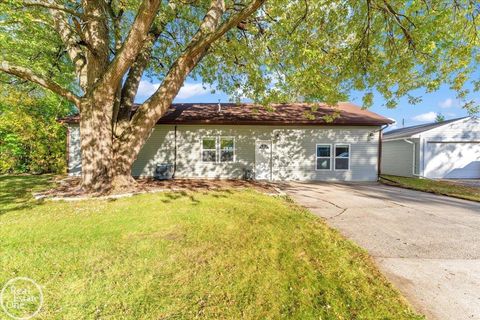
(271, 123)
(264, 123)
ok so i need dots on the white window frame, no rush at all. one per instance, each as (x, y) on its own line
(202, 149)
(220, 149)
(334, 155)
(317, 157)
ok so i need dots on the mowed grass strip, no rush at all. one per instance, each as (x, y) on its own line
(434, 186)
(215, 255)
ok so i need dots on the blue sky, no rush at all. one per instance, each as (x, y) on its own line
(442, 101)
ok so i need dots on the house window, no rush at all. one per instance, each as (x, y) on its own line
(342, 157)
(324, 156)
(223, 146)
(209, 149)
(227, 149)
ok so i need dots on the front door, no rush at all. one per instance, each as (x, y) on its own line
(263, 160)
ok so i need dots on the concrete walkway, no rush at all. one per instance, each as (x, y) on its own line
(428, 246)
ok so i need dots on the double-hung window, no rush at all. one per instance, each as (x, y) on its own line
(324, 156)
(227, 149)
(209, 149)
(339, 154)
(342, 157)
(218, 149)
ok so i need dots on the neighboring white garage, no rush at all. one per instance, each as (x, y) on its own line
(447, 150)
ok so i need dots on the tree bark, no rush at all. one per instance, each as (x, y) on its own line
(96, 145)
(106, 166)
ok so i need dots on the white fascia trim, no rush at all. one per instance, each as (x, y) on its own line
(413, 162)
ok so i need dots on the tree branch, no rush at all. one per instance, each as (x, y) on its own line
(116, 19)
(389, 9)
(131, 47)
(71, 41)
(204, 39)
(121, 116)
(29, 75)
(54, 6)
(210, 30)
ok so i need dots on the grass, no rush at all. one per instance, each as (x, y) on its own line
(215, 255)
(434, 186)
(15, 191)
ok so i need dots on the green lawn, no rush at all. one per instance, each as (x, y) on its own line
(215, 255)
(434, 186)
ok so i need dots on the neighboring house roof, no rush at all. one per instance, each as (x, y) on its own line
(408, 132)
(251, 114)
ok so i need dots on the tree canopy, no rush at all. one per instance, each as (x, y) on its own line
(315, 49)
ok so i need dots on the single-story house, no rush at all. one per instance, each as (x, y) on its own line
(236, 141)
(448, 149)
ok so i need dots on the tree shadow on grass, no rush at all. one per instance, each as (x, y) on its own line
(190, 193)
(175, 195)
(16, 191)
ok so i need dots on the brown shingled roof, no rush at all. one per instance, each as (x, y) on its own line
(251, 114)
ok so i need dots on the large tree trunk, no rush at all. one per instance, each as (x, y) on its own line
(96, 145)
(122, 162)
(106, 166)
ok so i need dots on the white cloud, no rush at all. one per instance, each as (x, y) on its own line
(191, 90)
(448, 103)
(426, 117)
(146, 89)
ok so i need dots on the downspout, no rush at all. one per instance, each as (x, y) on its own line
(175, 153)
(380, 146)
(68, 149)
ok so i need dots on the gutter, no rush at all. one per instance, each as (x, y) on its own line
(67, 151)
(251, 122)
(175, 153)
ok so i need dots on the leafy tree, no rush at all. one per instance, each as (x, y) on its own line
(439, 118)
(31, 140)
(265, 50)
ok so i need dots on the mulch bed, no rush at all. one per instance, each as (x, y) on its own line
(70, 187)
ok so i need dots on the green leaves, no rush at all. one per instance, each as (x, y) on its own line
(316, 50)
(31, 140)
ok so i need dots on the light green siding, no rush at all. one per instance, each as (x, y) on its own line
(398, 158)
(74, 152)
(293, 152)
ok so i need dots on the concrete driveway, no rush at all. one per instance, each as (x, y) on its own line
(428, 246)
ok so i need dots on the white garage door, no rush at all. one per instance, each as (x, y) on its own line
(452, 160)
